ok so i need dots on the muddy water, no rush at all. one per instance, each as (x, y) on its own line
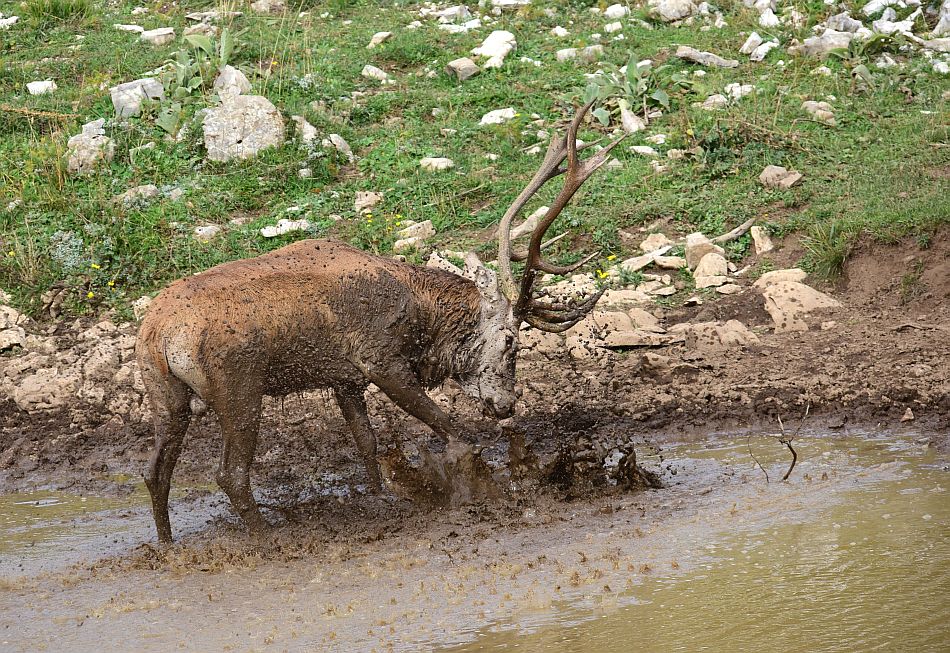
(870, 571)
(853, 553)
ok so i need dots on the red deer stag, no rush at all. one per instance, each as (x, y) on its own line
(321, 314)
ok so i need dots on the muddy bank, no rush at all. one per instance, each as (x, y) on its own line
(881, 358)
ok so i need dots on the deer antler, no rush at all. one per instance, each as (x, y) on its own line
(548, 316)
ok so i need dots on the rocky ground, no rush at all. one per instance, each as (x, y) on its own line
(876, 350)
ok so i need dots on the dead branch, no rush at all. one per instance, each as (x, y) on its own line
(748, 442)
(787, 440)
(36, 113)
(735, 233)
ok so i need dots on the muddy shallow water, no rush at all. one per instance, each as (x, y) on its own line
(853, 553)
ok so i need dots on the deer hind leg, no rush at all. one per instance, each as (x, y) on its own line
(169, 398)
(354, 412)
(239, 413)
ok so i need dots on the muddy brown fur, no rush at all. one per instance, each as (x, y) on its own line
(318, 314)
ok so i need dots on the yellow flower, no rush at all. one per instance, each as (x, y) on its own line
(601, 274)
(90, 294)
(689, 132)
(96, 266)
(611, 257)
(11, 253)
(111, 283)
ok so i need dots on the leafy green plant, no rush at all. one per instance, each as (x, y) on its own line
(192, 71)
(637, 85)
(859, 52)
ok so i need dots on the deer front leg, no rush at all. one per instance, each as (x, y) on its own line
(402, 386)
(354, 412)
(460, 473)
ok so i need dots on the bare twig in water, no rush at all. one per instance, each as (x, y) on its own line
(784, 439)
(787, 440)
(748, 442)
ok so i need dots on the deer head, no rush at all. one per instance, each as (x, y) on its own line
(505, 305)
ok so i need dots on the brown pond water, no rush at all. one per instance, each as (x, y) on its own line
(853, 553)
(870, 572)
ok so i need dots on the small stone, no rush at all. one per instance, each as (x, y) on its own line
(779, 177)
(630, 121)
(715, 101)
(135, 29)
(268, 6)
(697, 246)
(205, 233)
(738, 91)
(760, 52)
(711, 265)
(378, 38)
(496, 47)
(820, 46)
(776, 276)
(787, 302)
(421, 230)
(285, 226)
(559, 32)
(704, 58)
(768, 18)
(498, 116)
(407, 244)
(89, 149)
(761, 240)
(669, 11)
(908, 415)
(41, 88)
(306, 131)
(138, 194)
(751, 43)
(158, 37)
(338, 143)
(366, 199)
(728, 289)
(643, 150)
(140, 306)
(654, 242)
(436, 164)
(820, 111)
(231, 81)
(372, 72)
(241, 126)
(670, 262)
(127, 98)
(615, 11)
(462, 69)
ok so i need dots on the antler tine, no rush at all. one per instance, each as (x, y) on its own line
(587, 305)
(549, 326)
(550, 168)
(577, 173)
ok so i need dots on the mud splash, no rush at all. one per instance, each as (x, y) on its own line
(853, 549)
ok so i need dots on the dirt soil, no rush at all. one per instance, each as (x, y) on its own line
(886, 352)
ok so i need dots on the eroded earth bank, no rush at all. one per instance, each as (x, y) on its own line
(632, 452)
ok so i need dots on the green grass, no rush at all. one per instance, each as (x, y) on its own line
(881, 173)
(42, 13)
